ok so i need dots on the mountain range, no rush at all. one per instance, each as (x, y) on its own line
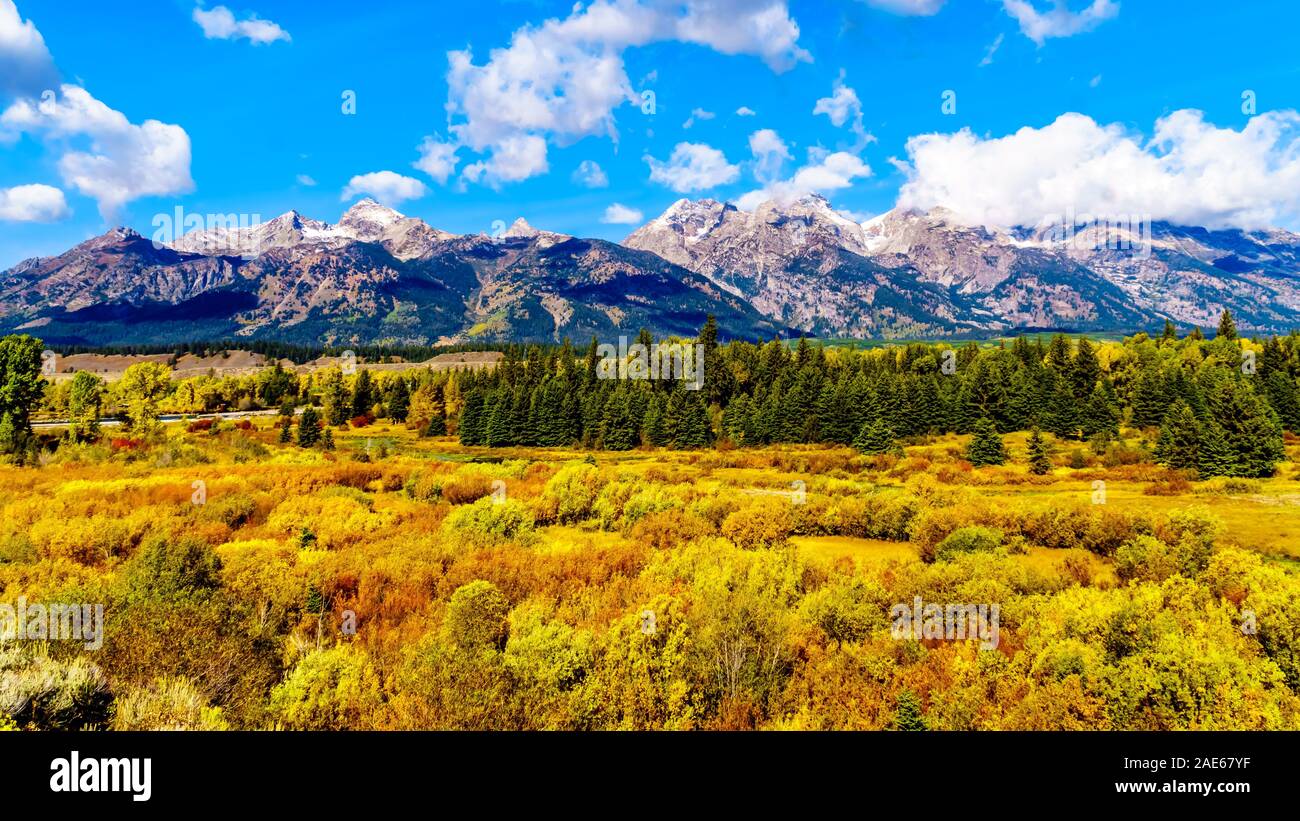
(787, 268)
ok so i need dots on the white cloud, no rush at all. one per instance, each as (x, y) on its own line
(698, 114)
(1095, 81)
(1058, 21)
(693, 167)
(745, 111)
(304, 179)
(513, 158)
(843, 106)
(124, 161)
(824, 173)
(589, 174)
(562, 80)
(437, 158)
(992, 49)
(619, 214)
(922, 8)
(770, 152)
(32, 203)
(220, 24)
(1189, 172)
(26, 68)
(387, 187)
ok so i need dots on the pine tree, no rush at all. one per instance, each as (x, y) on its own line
(327, 439)
(500, 425)
(1170, 333)
(620, 430)
(473, 420)
(1251, 430)
(655, 434)
(308, 427)
(694, 430)
(398, 400)
(1150, 402)
(1227, 326)
(286, 430)
(436, 426)
(1085, 371)
(1215, 456)
(1040, 460)
(1179, 445)
(908, 716)
(335, 401)
(877, 437)
(1100, 418)
(363, 398)
(986, 447)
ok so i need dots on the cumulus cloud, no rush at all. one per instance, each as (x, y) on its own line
(562, 80)
(693, 167)
(121, 161)
(770, 153)
(824, 173)
(920, 8)
(387, 187)
(589, 174)
(220, 23)
(619, 214)
(745, 111)
(698, 114)
(844, 107)
(1058, 21)
(1189, 172)
(26, 68)
(305, 180)
(437, 158)
(514, 158)
(32, 203)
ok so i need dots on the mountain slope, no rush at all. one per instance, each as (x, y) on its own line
(375, 276)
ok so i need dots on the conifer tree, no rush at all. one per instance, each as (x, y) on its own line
(1227, 326)
(473, 419)
(620, 430)
(437, 424)
(500, 424)
(398, 399)
(986, 447)
(877, 437)
(308, 427)
(694, 431)
(1040, 460)
(1085, 370)
(286, 430)
(1100, 418)
(327, 439)
(1215, 456)
(1150, 402)
(1179, 444)
(363, 398)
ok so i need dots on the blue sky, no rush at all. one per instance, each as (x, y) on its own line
(250, 116)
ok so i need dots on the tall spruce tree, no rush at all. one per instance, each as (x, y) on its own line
(986, 447)
(1040, 459)
(877, 437)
